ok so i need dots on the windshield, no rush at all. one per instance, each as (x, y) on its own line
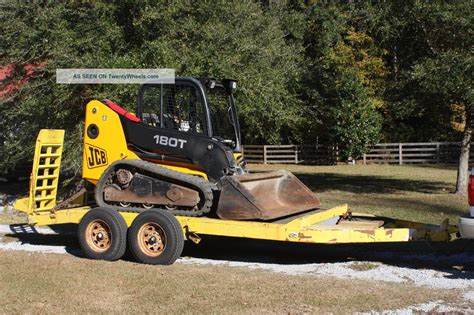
(173, 106)
(221, 117)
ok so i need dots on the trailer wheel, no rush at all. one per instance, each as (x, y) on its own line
(103, 234)
(156, 237)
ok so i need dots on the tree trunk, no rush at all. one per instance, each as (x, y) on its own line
(463, 166)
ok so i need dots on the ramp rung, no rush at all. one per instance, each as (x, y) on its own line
(45, 187)
(43, 208)
(46, 176)
(48, 166)
(48, 144)
(49, 155)
(44, 198)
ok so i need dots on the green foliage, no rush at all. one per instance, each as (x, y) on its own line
(353, 122)
(448, 75)
(349, 73)
(240, 41)
(425, 42)
(343, 82)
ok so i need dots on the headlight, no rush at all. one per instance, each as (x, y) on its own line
(211, 84)
(230, 85)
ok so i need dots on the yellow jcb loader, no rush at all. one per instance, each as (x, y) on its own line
(181, 152)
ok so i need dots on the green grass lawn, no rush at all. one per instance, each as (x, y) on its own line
(420, 193)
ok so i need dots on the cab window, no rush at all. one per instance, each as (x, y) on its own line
(173, 106)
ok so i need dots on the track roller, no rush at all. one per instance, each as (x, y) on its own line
(156, 237)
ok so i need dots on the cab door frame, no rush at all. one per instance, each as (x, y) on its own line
(179, 81)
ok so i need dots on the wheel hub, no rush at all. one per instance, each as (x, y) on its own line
(98, 236)
(151, 239)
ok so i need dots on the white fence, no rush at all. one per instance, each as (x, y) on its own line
(382, 153)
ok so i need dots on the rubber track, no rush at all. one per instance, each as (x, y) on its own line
(203, 186)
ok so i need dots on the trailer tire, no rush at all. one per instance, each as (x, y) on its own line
(103, 234)
(156, 237)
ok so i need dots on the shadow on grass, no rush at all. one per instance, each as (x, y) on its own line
(369, 184)
(409, 209)
(438, 166)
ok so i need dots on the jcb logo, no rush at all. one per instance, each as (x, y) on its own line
(95, 157)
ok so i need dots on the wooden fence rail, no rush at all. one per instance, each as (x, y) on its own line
(382, 153)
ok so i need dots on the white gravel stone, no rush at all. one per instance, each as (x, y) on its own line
(424, 277)
(33, 248)
(469, 296)
(430, 307)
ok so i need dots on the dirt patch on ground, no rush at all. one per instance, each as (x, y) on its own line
(363, 266)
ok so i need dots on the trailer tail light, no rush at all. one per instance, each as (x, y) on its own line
(470, 190)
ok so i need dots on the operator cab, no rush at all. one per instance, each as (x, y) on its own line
(191, 123)
(197, 106)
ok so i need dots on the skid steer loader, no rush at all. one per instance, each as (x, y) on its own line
(181, 151)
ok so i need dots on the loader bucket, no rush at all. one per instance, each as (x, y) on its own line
(264, 196)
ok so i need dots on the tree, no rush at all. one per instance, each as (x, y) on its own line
(429, 88)
(446, 73)
(449, 72)
(349, 73)
(450, 76)
(409, 113)
(344, 75)
(235, 40)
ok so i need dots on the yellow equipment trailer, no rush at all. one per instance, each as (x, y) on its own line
(160, 235)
